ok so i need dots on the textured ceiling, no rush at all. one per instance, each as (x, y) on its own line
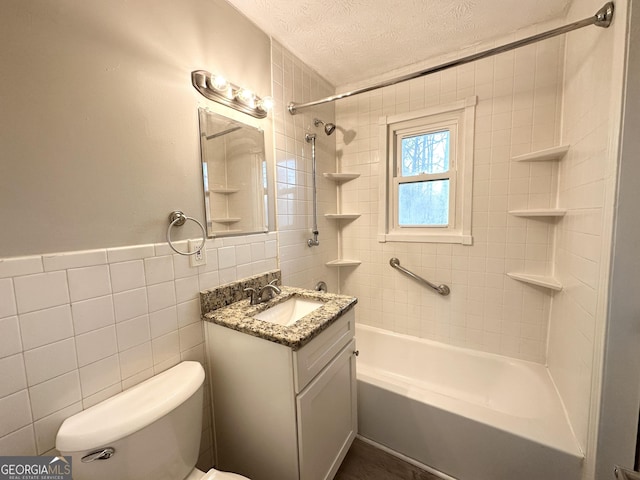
(348, 41)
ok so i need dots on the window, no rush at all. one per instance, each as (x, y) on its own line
(426, 189)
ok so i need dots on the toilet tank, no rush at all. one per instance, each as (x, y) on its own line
(153, 428)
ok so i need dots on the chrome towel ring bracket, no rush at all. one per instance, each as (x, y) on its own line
(178, 219)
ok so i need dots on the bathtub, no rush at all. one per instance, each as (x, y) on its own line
(466, 414)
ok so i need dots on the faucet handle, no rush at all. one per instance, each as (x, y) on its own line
(274, 283)
(252, 294)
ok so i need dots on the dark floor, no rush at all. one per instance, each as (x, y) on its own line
(366, 462)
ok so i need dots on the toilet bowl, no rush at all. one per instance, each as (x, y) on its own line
(149, 432)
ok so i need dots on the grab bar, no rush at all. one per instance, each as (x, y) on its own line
(441, 289)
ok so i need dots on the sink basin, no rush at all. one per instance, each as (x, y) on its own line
(289, 312)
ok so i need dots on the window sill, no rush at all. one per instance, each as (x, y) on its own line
(422, 238)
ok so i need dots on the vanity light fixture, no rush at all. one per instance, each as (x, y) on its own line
(218, 89)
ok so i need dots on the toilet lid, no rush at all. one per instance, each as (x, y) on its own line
(214, 474)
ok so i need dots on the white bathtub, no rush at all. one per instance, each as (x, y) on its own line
(468, 414)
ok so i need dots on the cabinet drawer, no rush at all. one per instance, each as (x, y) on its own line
(313, 357)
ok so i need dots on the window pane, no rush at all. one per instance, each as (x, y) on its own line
(428, 153)
(423, 203)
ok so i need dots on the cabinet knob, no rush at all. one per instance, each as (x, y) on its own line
(356, 352)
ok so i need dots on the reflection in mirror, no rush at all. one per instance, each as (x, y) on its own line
(235, 176)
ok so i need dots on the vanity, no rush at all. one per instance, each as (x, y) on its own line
(283, 380)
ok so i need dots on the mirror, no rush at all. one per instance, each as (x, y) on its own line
(234, 169)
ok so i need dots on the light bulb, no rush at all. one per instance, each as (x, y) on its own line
(219, 83)
(245, 96)
(266, 104)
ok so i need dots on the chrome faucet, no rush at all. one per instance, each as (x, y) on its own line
(263, 294)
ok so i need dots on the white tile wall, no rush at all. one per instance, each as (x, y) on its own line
(20, 442)
(518, 111)
(79, 327)
(89, 315)
(7, 298)
(13, 377)
(16, 412)
(10, 335)
(582, 256)
(89, 282)
(44, 290)
(49, 361)
(127, 275)
(46, 326)
(301, 265)
(52, 395)
(130, 304)
(133, 332)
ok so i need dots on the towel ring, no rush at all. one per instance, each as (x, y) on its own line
(177, 218)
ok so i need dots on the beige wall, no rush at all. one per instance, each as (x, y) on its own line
(98, 143)
(98, 124)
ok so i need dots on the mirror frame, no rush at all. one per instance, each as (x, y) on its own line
(268, 198)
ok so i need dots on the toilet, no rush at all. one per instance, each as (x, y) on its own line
(149, 432)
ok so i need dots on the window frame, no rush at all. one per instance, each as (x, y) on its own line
(409, 129)
(457, 117)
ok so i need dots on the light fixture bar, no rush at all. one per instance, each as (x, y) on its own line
(219, 90)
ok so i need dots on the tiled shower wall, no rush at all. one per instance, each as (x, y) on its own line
(586, 189)
(301, 265)
(79, 327)
(518, 111)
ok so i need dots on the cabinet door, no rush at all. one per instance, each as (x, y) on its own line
(327, 417)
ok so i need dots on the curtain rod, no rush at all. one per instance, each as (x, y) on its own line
(602, 18)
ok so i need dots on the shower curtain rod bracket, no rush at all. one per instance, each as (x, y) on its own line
(602, 18)
(604, 15)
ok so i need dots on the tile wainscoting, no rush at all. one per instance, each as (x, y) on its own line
(79, 327)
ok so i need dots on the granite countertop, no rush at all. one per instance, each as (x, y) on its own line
(238, 316)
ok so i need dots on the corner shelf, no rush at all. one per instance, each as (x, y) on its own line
(539, 280)
(224, 191)
(341, 177)
(539, 212)
(343, 263)
(226, 220)
(554, 153)
(547, 154)
(341, 216)
(222, 233)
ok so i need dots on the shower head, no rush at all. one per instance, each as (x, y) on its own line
(329, 128)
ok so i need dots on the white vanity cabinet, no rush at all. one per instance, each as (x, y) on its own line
(281, 414)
